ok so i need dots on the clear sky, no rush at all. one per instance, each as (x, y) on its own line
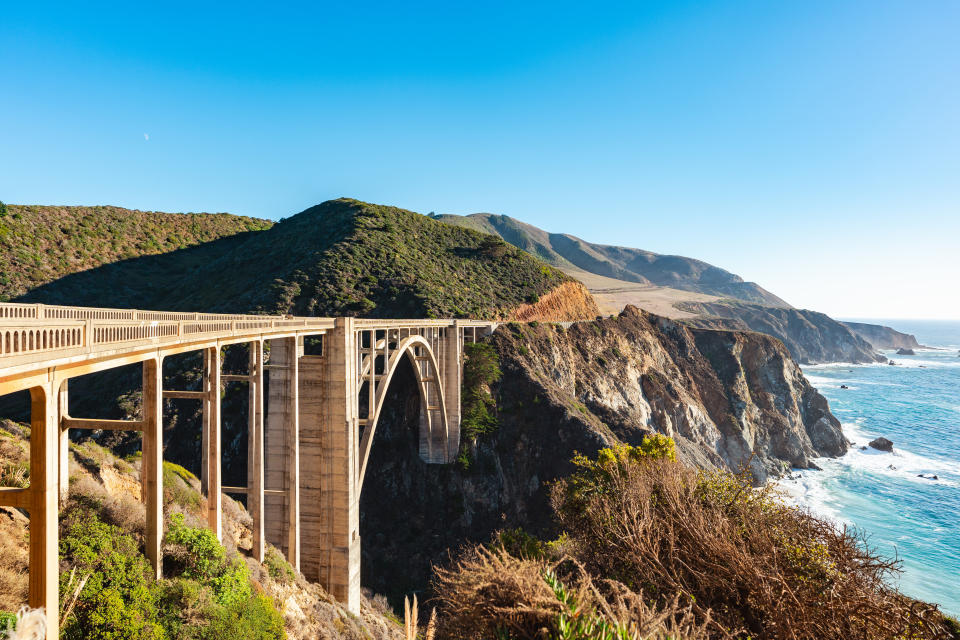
(811, 146)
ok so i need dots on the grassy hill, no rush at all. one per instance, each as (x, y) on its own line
(341, 257)
(570, 253)
(40, 244)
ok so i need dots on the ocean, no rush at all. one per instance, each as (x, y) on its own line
(892, 497)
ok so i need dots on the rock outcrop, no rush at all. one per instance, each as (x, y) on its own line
(882, 337)
(811, 337)
(906, 352)
(729, 399)
(568, 301)
(882, 444)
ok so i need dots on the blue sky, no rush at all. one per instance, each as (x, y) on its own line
(813, 147)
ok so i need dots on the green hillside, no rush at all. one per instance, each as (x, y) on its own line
(622, 263)
(40, 244)
(342, 257)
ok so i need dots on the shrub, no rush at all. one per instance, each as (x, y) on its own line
(278, 567)
(652, 549)
(214, 588)
(490, 593)
(733, 554)
(7, 620)
(118, 600)
(178, 489)
(481, 368)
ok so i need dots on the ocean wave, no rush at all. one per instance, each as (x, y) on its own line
(899, 463)
(806, 488)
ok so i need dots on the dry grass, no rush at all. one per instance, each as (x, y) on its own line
(653, 549)
(15, 559)
(490, 593)
(735, 555)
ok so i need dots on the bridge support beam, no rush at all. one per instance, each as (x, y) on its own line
(211, 455)
(152, 462)
(452, 377)
(255, 450)
(339, 540)
(44, 489)
(63, 403)
(282, 441)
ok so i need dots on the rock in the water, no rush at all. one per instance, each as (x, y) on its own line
(891, 363)
(882, 444)
(906, 352)
(843, 386)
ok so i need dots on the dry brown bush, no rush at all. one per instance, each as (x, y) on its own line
(489, 593)
(733, 554)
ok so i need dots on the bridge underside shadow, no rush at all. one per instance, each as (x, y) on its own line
(405, 506)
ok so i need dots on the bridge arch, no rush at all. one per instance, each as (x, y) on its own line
(435, 427)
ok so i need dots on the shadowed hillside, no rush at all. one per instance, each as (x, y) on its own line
(39, 244)
(342, 257)
(622, 263)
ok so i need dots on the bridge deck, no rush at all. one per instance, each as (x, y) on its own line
(81, 340)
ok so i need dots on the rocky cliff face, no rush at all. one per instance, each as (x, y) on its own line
(728, 399)
(881, 337)
(810, 336)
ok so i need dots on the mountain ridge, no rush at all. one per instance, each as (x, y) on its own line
(623, 263)
(40, 244)
(341, 257)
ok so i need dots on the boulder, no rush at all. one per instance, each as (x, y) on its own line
(882, 444)
(906, 352)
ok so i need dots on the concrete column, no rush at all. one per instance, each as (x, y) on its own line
(63, 411)
(312, 453)
(255, 449)
(211, 472)
(282, 442)
(339, 543)
(204, 427)
(152, 462)
(44, 469)
(451, 380)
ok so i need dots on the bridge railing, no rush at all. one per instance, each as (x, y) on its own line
(31, 332)
(34, 332)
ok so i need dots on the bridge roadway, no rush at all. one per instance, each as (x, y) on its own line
(308, 442)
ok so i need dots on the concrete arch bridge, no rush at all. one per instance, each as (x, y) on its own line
(309, 441)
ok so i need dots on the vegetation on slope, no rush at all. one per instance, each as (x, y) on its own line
(342, 257)
(650, 548)
(39, 244)
(209, 590)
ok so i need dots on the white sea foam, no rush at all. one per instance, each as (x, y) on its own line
(899, 463)
(807, 488)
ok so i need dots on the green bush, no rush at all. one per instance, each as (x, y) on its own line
(257, 619)
(118, 601)
(209, 595)
(481, 368)
(7, 620)
(278, 567)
